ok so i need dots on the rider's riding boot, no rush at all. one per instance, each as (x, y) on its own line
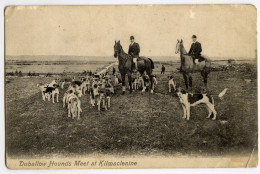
(201, 59)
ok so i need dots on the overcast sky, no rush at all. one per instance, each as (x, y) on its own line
(224, 31)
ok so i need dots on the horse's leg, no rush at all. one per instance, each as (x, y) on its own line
(190, 82)
(205, 79)
(141, 74)
(130, 81)
(151, 82)
(186, 81)
(123, 83)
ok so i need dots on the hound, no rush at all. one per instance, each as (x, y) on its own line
(84, 86)
(104, 99)
(187, 100)
(146, 82)
(71, 90)
(76, 83)
(155, 82)
(134, 83)
(94, 94)
(74, 106)
(50, 92)
(43, 89)
(62, 84)
(140, 82)
(54, 82)
(171, 83)
(87, 84)
(106, 84)
(116, 80)
(77, 86)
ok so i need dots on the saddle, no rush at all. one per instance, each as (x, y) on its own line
(140, 61)
(200, 58)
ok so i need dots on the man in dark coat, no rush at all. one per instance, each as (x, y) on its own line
(163, 69)
(134, 50)
(196, 49)
(114, 70)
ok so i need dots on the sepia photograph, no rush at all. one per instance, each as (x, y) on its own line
(131, 86)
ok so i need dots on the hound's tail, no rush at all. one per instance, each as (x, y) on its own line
(222, 93)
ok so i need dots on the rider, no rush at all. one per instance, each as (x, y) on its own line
(195, 50)
(134, 50)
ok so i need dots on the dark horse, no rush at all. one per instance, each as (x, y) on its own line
(125, 65)
(188, 66)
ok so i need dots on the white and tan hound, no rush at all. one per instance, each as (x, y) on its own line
(187, 100)
(171, 83)
(74, 106)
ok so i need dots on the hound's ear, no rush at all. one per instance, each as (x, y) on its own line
(181, 41)
(119, 41)
(115, 41)
(177, 40)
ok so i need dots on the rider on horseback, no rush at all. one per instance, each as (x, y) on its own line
(134, 50)
(195, 50)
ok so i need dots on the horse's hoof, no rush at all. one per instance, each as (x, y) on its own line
(151, 91)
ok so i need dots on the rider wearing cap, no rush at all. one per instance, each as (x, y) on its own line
(134, 50)
(195, 50)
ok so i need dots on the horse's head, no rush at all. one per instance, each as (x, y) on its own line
(117, 48)
(178, 46)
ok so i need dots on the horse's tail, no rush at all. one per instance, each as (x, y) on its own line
(152, 64)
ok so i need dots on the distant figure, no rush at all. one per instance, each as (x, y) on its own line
(114, 70)
(134, 50)
(163, 69)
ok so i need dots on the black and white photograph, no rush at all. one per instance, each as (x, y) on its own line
(131, 86)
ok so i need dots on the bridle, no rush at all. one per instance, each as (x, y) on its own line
(117, 48)
(177, 49)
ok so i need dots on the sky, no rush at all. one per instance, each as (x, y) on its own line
(224, 31)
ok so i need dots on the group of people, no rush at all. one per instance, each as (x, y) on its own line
(194, 52)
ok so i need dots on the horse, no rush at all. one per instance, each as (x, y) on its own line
(125, 66)
(188, 66)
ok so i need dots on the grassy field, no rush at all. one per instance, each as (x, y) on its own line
(135, 124)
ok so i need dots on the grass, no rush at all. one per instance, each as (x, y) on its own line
(135, 124)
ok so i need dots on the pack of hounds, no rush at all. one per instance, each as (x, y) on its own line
(101, 88)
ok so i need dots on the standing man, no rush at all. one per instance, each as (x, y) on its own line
(134, 51)
(114, 70)
(163, 69)
(195, 50)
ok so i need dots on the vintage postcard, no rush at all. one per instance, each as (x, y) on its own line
(136, 86)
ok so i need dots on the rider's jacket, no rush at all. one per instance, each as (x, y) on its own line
(195, 49)
(134, 50)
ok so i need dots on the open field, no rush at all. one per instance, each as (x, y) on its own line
(135, 124)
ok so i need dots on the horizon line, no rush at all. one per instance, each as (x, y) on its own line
(113, 57)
